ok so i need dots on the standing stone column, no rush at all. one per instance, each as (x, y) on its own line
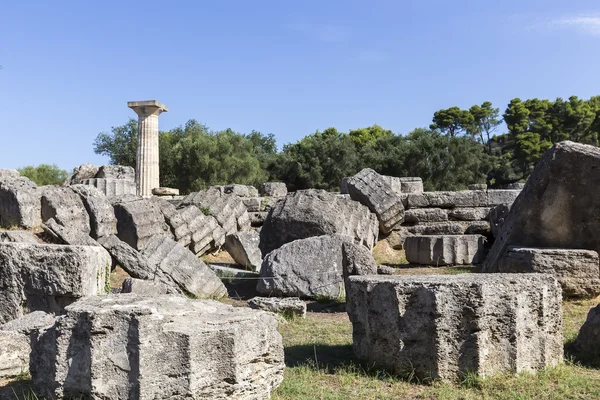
(146, 171)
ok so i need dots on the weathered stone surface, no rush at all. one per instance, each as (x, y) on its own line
(497, 216)
(314, 267)
(443, 326)
(205, 233)
(344, 185)
(252, 203)
(165, 191)
(411, 184)
(173, 218)
(273, 189)
(63, 235)
(370, 189)
(162, 347)
(588, 339)
(577, 271)
(183, 268)
(16, 337)
(65, 207)
(386, 270)
(116, 172)
(9, 173)
(100, 210)
(557, 207)
(447, 228)
(227, 208)
(444, 249)
(243, 248)
(268, 203)
(112, 187)
(20, 203)
(394, 183)
(308, 213)
(418, 215)
(47, 277)
(396, 238)
(502, 196)
(233, 275)
(132, 262)
(146, 288)
(465, 198)
(469, 214)
(18, 237)
(81, 173)
(257, 219)
(138, 221)
(292, 306)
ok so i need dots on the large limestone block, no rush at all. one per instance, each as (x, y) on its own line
(116, 172)
(411, 184)
(577, 271)
(138, 221)
(111, 186)
(243, 248)
(18, 236)
(588, 339)
(308, 213)
(419, 215)
(314, 267)
(557, 208)
(444, 249)
(289, 306)
(447, 228)
(184, 268)
(65, 206)
(469, 214)
(273, 189)
(444, 326)
(204, 231)
(100, 210)
(370, 189)
(465, 198)
(9, 173)
(227, 208)
(81, 173)
(64, 235)
(48, 277)
(20, 203)
(16, 338)
(162, 347)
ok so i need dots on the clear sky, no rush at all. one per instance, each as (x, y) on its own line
(282, 67)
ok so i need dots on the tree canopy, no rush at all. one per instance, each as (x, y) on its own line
(44, 174)
(461, 146)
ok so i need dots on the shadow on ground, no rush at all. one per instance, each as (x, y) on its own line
(328, 357)
(574, 355)
(18, 390)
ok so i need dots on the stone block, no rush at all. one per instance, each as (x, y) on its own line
(308, 213)
(100, 210)
(273, 189)
(243, 248)
(165, 191)
(465, 198)
(112, 187)
(444, 326)
(444, 249)
(369, 188)
(18, 237)
(411, 185)
(20, 203)
(418, 215)
(290, 306)
(145, 288)
(81, 173)
(447, 228)
(253, 204)
(66, 207)
(469, 214)
(557, 207)
(9, 173)
(116, 172)
(162, 347)
(138, 221)
(577, 271)
(48, 277)
(63, 235)
(313, 267)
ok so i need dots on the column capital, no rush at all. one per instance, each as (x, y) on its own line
(147, 107)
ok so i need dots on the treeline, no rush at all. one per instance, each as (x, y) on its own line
(459, 148)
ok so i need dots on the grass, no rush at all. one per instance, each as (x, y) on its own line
(321, 365)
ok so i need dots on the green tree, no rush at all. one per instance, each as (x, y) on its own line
(452, 121)
(120, 146)
(369, 135)
(486, 120)
(44, 174)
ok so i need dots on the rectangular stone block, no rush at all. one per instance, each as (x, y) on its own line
(417, 215)
(439, 250)
(577, 271)
(112, 187)
(444, 326)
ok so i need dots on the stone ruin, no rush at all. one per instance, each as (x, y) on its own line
(79, 340)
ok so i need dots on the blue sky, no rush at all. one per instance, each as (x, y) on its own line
(282, 67)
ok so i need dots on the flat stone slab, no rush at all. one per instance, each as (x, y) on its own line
(577, 271)
(290, 306)
(443, 326)
(163, 347)
(444, 249)
(20, 203)
(243, 248)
